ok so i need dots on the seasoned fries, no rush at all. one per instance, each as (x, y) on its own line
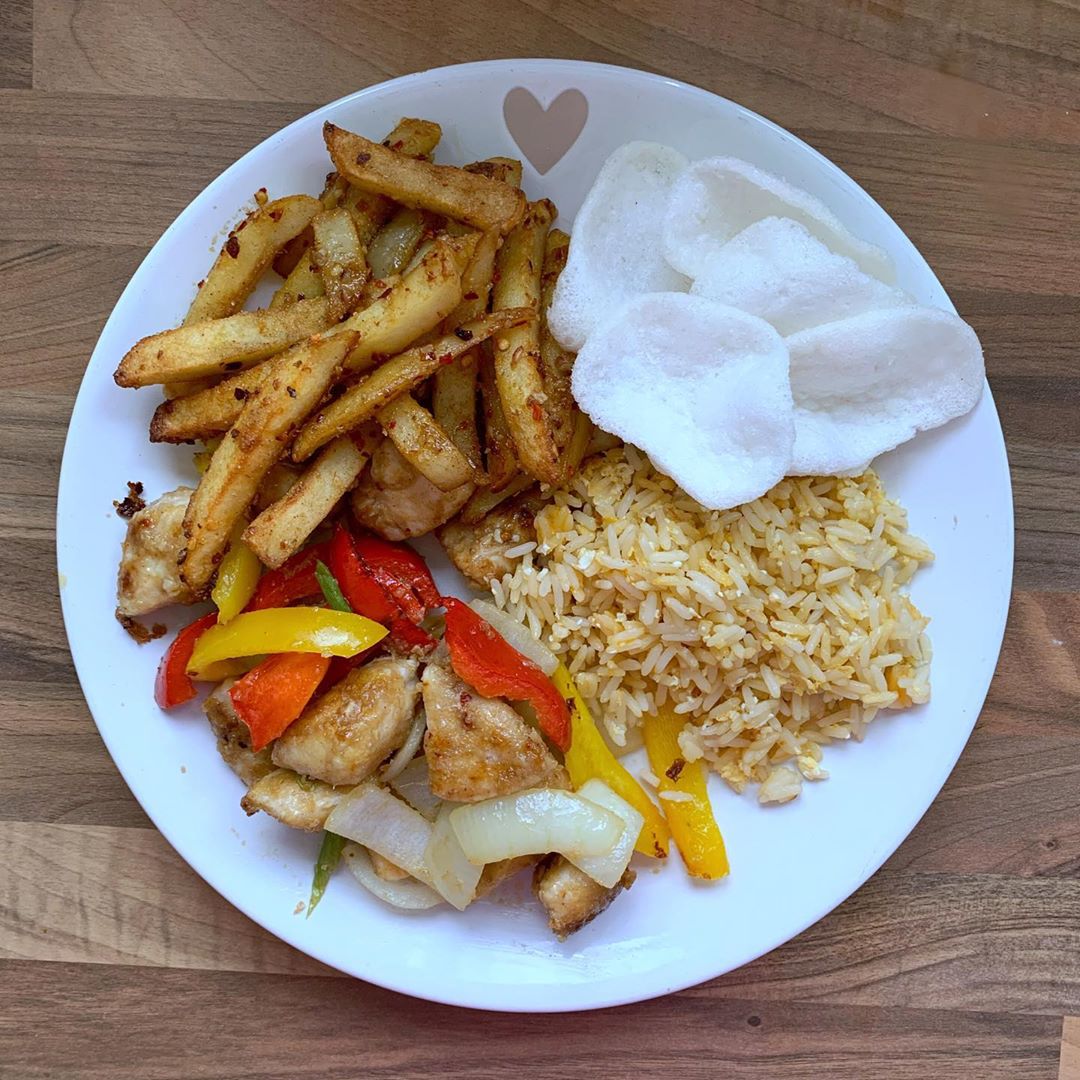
(396, 242)
(303, 283)
(339, 256)
(484, 500)
(424, 444)
(504, 169)
(220, 346)
(556, 363)
(290, 390)
(502, 463)
(517, 353)
(453, 403)
(397, 376)
(468, 197)
(284, 526)
(247, 253)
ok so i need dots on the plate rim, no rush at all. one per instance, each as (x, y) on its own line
(190, 852)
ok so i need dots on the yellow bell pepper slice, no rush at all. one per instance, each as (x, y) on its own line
(693, 825)
(238, 576)
(589, 758)
(277, 630)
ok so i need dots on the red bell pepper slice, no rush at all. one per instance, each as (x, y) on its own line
(488, 663)
(408, 636)
(273, 694)
(365, 595)
(173, 685)
(402, 573)
(293, 580)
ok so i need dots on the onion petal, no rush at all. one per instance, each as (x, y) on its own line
(607, 869)
(373, 816)
(452, 874)
(517, 635)
(407, 894)
(534, 822)
(408, 749)
(413, 784)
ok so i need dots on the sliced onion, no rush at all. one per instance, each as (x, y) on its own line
(408, 748)
(517, 635)
(379, 820)
(451, 872)
(414, 785)
(408, 894)
(607, 869)
(534, 822)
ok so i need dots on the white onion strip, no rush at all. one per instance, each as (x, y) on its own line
(413, 784)
(607, 869)
(451, 872)
(407, 894)
(408, 749)
(533, 823)
(518, 636)
(373, 816)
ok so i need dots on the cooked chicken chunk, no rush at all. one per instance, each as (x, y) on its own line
(395, 501)
(343, 736)
(479, 551)
(477, 748)
(497, 872)
(233, 738)
(572, 899)
(149, 574)
(294, 800)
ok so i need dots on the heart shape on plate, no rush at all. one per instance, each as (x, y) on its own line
(545, 135)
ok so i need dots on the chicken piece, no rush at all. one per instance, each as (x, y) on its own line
(397, 502)
(497, 872)
(479, 551)
(343, 736)
(233, 737)
(149, 575)
(477, 748)
(387, 870)
(571, 898)
(293, 800)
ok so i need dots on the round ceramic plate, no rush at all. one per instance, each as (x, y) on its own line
(790, 864)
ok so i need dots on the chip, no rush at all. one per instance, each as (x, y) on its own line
(616, 252)
(716, 198)
(715, 381)
(776, 269)
(866, 384)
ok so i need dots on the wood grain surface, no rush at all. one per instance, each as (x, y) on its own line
(961, 958)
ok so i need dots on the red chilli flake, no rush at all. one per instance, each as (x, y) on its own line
(232, 246)
(446, 358)
(362, 159)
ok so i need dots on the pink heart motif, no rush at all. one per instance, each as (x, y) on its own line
(545, 135)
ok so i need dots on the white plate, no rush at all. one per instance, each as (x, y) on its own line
(790, 865)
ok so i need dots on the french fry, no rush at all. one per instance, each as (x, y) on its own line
(283, 527)
(454, 397)
(395, 243)
(484, 500)
(339, 255)
(505, 170)
(413, 307)
(276, 484)
(303, 283)
(517, 353)
(556, 364)
(453, 403)
(370, 210)
(397, 376)
(287, 258)
(574, 453)
(220, 346)
(246, 254)
(296, 383)
(487, 204)
(500, 453)
(600, 442)
(424, 443)
(206, 413)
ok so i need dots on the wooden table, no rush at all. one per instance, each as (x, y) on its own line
(961, 957)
